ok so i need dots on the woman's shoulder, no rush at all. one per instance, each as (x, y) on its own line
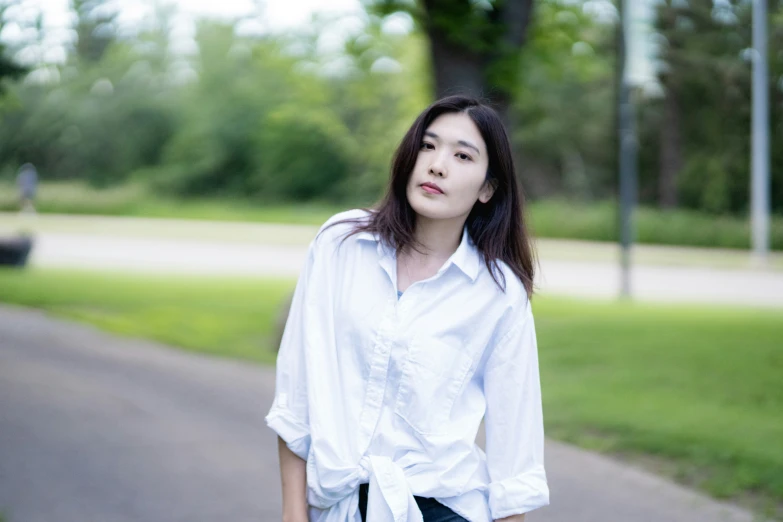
(513, 293)
(356, 214)
(511, 305)
(338, 226)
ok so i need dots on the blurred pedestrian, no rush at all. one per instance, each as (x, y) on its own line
(410, 323)
(27, 181)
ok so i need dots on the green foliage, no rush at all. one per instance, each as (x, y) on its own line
(708, 71)
(598, 222)
(303, 155)
(378, 105)
(564, 105)
(95, 28)
(9, 68)
(232, 119)
(471, 25)
(478, 43)
(283, 129)
(98, 123)
(704, 183)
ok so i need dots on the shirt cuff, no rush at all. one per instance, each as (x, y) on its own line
(519, 494)
(295, 434)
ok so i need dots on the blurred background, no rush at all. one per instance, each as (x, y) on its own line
(164, 165)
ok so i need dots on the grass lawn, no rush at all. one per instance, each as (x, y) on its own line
(695, 393)
(219, 316)
(697, 389)
(137, 201)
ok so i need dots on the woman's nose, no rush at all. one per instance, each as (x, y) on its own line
(438, 168)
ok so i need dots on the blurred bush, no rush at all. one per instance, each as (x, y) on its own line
(303, 156)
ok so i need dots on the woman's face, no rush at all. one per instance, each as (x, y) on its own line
(450, 171)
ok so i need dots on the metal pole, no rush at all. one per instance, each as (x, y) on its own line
(760, 182)
(627, 152)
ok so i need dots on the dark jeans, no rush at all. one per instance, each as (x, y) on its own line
(431, 509)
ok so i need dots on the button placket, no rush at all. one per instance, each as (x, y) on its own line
(376, 384)
(404, 304)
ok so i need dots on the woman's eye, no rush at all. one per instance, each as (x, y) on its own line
(428, 146)
(463, 156)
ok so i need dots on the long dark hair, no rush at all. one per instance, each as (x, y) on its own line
(498, 228)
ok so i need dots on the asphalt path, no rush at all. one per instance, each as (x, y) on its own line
(574, 277)
(99, 428)
(568, 268)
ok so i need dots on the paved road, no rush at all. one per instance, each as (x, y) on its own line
(94, 428)
(571, 277)
(571, 268)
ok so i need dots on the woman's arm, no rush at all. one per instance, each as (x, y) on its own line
(289, 414)
(513, 518)
(294, 480)
(514, 421)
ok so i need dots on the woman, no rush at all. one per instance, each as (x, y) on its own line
(409, 324)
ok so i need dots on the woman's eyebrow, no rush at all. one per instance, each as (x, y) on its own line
(460, 142)
(469, 145)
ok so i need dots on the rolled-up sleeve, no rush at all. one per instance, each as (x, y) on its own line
(288, 415)
(514, 421)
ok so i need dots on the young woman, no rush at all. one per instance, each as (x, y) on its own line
(409, 324)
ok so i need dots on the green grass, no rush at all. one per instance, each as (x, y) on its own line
(218, 316)
(597, 222)
(698, 387)
(552, 218)
(694, 392)
(136, 201)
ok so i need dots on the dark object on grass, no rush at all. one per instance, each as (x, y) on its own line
(14, 251)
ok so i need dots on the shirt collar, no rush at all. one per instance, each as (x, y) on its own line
(466, 257)
(367, 236)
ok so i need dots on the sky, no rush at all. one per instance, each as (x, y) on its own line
(275, 15)
(281, 13)
(271, 15)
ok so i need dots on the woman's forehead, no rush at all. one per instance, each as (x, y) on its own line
(454, 127)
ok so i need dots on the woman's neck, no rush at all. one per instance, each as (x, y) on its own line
(437, 238)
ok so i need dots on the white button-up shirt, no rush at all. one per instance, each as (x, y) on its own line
(391, 392)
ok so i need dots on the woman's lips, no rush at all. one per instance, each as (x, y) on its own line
(431, 189)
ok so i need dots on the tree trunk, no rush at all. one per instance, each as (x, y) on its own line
(670, 151)
(458, 69)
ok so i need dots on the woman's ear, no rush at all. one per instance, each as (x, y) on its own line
(487, 190)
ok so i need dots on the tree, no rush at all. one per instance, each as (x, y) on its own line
(702, 74)
(704, 118)
(95, 28)
(563, 102)
(9, 69)
(474, 46)
(670, 140)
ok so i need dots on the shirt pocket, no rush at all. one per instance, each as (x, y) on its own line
(432, 377)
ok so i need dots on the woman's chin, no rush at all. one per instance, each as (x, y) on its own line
(427, 208)
(430, 209)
